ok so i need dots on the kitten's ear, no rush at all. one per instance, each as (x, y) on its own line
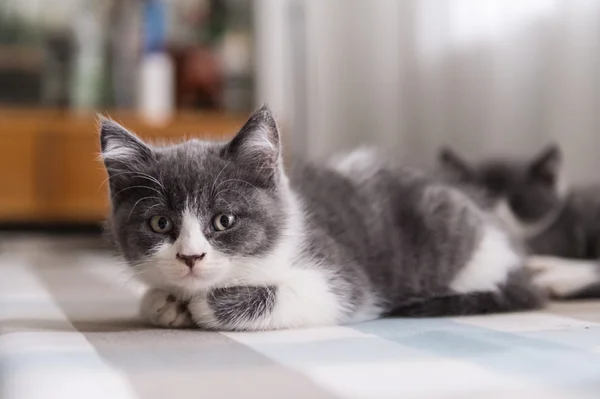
(546, 166)
(257, 144)
(454, 164)
(121, 149)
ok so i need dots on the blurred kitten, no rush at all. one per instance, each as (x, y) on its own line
(560, 227)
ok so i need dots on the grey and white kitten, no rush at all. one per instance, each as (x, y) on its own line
(560, 227)
(228, 240)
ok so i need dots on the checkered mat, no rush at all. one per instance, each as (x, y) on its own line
(69, 330)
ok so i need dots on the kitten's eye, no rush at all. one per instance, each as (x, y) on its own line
(223, 222)
(161, 224)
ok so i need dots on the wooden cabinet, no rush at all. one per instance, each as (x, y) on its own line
(49, 166)
(17, 174)
(71, 177)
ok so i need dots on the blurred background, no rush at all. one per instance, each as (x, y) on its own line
(488, 77)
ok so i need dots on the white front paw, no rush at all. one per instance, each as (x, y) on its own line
(163, 309)
(202, 315)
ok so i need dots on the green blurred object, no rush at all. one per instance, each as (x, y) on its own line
(14, 31)
(21, 60)
(88, 84)
(217, 21)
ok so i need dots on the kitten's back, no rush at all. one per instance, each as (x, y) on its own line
(401, 233)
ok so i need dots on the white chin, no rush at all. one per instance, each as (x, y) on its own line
(173, 276)
(205, 281)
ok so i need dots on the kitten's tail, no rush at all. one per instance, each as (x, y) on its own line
(566, 278)
(516, 295)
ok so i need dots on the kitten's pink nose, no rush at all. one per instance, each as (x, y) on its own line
(190, 260)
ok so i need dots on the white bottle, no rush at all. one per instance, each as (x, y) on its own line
(156, 87)
(157, 72)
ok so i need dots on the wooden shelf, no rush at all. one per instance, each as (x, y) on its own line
(49, 167)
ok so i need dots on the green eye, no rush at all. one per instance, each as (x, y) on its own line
(223, 222)
(161, 224)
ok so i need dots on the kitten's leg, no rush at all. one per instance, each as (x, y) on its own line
(304, 299)
(493, 280)
(162, 309)
(234, 308)
(566, 278)
(515, 295)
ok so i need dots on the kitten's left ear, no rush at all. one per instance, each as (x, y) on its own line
(257, 144)
(454, 164)
(547, 164)
(121, 149)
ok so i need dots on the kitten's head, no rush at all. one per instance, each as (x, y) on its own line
(521, 192)
(184, 215)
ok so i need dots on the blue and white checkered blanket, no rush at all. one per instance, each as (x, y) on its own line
(69, 329)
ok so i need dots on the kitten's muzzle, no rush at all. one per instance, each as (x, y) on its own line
(190, 260)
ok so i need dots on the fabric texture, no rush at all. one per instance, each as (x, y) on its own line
(69, 329)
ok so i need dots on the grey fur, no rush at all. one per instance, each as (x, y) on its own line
(515, 294)
(380, 231)
(529, 187)
(162, 182)
(401, 235)
(247, 302)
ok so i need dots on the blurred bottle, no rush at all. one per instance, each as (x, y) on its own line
(21, 61)
(198, 31)
(213, 52)
(58, 60)
(156, 86)
(87, 84)
(124, 49)
(236, 56)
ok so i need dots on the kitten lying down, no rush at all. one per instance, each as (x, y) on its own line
(559, 227)
(227, 240)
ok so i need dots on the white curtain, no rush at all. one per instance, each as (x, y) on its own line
(488, 77)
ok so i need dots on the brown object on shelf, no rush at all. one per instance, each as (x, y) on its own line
(49, 167)
(199, 78)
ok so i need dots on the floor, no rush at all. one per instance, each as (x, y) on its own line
(69, 329)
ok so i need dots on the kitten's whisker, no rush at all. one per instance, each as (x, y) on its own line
(132, 187)
(151, 178)
(111, 176)
(229, 207)
(130, 276)
(140, 264)
(238, 180)
(150, 207)
(138, 201)
(213, 296)
(237, 192)
(137, 174)
(212, 190)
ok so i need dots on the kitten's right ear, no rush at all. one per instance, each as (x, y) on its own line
(547, 164)
(454, 164)
(257, 146)
(121, 149)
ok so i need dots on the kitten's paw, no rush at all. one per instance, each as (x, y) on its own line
(202, 314)
(561, 277)
(540, 263)
(235, 308)
(162, 309)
